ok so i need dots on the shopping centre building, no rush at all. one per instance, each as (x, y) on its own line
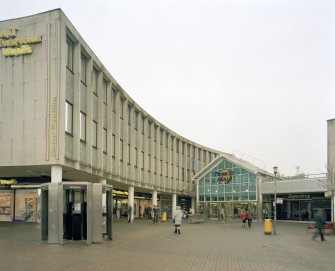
(63, 117)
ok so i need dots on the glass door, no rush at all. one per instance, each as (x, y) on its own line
(214, 211)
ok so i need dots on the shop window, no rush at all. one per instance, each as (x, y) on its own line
(214, 197)
(236, 196)
(252, 195)
(244, 195)
(26, 205)
(229, 196)
(221, 198)
(6, 205)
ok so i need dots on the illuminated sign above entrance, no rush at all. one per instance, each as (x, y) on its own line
(11, 45)
(7, 182)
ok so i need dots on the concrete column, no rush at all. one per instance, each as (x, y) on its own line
(103, 181)
(174, 203)
(154, 198)
(56, 174)
(332, 208)
(131, 203)
(260, 199)
(193, 201)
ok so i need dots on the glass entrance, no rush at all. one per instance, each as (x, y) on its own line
(213, 211)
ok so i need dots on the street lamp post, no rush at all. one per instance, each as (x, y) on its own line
(275, 171)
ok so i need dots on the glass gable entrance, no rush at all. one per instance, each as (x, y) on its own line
(227, 186)
(228, 182)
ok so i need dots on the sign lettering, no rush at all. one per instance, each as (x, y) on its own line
(16, 46)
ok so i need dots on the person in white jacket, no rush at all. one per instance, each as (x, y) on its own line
(178, 215)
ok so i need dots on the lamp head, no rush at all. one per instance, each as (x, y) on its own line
(275, 170)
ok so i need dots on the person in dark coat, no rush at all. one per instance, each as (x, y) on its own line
(243, 218)
(320, 219)
(249, 217)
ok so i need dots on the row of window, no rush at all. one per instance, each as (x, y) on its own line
(95, 87)
(135, 118)
(241, 184)
(228, 197)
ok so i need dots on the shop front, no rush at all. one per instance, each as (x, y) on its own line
(19, 202)
(227, 186)
(298, 206)
(141, 202)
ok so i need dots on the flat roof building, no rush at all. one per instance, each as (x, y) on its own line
(63, 117)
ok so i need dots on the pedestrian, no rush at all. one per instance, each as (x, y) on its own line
(155, 218)
(149, 213)
(158, 213)
(243, 218)
(222, 214)
(190, 215)
(177, 218)
(265, 213)
(320, 219)
(249, 217)
(130, 213)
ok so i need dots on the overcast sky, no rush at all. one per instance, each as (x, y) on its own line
(255, 78)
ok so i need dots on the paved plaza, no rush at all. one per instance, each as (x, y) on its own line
(142, 245)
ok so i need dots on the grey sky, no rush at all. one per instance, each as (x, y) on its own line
(254, 78)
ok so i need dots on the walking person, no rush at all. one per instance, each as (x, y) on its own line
(243, 218)
(320, 219)
(177, 218)
(249, 217)
(155, 218)
(130, 213)
(222, 214)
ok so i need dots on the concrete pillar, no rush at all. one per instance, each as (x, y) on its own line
(103, 181)
(154, 198)
(131, 203)
(174, 204)
(332, 208)
(193, 203)
(259, 210)
(56, 174)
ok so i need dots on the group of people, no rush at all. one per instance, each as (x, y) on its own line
(153, 213)
(246, 216)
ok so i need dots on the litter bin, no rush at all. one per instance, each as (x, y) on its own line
(267, 226)
(163, 216)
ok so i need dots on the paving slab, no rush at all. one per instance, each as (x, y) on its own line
(142, 245)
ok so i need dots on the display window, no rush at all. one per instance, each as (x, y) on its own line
(26, 205)
(6, 205)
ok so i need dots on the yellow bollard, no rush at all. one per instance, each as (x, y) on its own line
(267, 226)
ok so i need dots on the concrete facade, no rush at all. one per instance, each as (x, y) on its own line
(60, 108)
